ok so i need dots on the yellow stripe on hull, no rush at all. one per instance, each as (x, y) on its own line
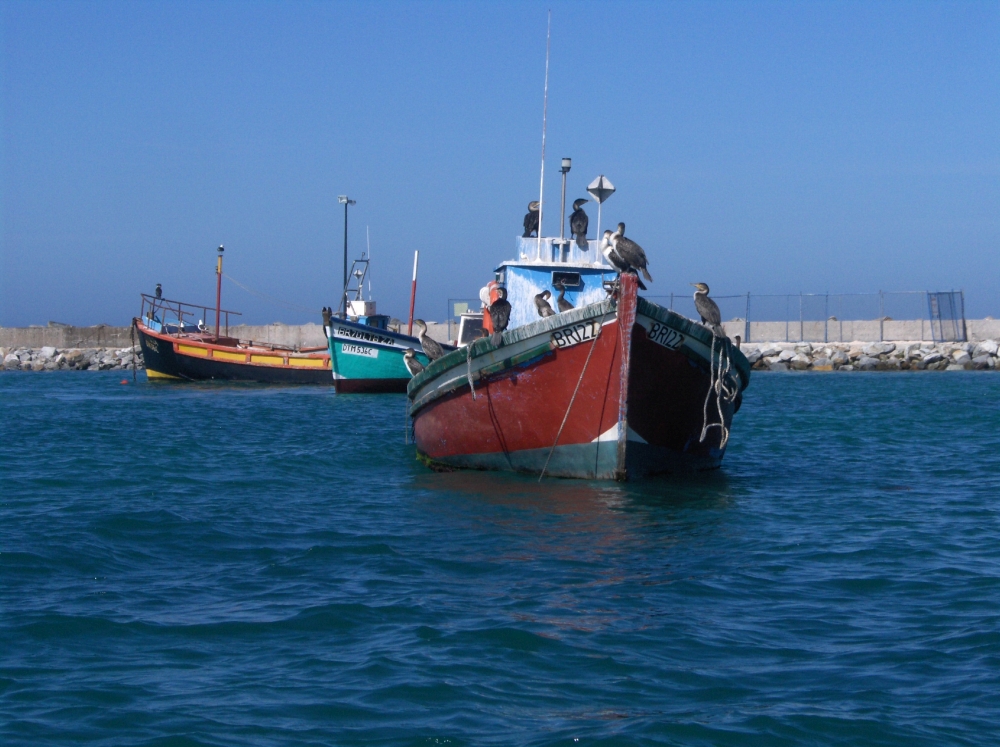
(307, 363)
(222, 355)
(271, 360)
(153, 375)
(189, 350)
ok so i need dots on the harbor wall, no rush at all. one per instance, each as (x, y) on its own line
(103, 336)
(311, 335)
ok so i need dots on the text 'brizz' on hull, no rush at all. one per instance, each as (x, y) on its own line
(617, 389)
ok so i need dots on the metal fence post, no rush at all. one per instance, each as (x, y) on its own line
(826, 318)
(746, 325)
(881, 317)
(802, 333)
(961, 300)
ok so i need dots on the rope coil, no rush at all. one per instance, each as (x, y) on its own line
(720, 382)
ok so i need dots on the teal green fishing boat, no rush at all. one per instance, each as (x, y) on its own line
(367, 357)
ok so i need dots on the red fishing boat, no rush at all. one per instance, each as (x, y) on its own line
(616, 388)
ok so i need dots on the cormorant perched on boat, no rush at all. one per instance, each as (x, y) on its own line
(708, 309)
(159, 291)
(561, 301)
(738, 340)
(542, 304)
(412, 364)
(630, 252)
(432, 348)
(500, 316)
(608, 250)
(578, 223)
(531, 219)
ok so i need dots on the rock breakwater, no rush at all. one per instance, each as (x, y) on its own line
(764, 356)
(75, 359)
(873, 356)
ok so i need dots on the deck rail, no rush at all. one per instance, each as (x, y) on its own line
(173, 315)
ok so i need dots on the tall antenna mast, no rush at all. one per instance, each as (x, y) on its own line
(545, 119)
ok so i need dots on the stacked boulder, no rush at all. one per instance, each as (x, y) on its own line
(873, 356)
(77, 359)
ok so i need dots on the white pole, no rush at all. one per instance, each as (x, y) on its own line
(545, 119)
(413, 292)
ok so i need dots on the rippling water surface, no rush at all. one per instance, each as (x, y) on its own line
(225, 565)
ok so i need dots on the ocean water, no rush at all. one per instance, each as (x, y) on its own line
(243, 565)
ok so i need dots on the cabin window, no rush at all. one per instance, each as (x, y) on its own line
(567, 279)
(501, 275)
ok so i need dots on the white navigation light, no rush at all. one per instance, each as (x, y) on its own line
(601, 189)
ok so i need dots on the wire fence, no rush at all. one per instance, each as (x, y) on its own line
(831, 317)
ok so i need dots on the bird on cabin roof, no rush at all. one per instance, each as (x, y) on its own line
(578, 223)
(531, 219)
(708, 309)
(542, 304)
(500, 316)
(432, 348)
(412, 364)
(630, 252)
(561, 301)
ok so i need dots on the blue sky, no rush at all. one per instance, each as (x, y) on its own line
(757, 146)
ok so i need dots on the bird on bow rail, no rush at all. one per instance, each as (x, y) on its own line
(631, 253)
(327, 314)
(531, 219)
(432, 348)
(608, 250)
(412, 364)
(578, 223)
(561, 301)
(159, 291)
(738, 340)
(542, 304)
(708, 309)
(500, 316)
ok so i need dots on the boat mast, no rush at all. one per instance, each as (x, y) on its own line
(218, 292)
(545, 119)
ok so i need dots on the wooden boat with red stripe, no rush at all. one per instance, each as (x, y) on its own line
(174, 349)
(617, 389)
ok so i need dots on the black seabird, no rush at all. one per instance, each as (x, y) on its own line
(708, 309)
(412, 364)
(159, 291)
(432, 349)
(500, 316)
(327, 313)
(630, 252)
(542, 304)
(578, 223)
(608, 250)
(531, 219)
(561, 301)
